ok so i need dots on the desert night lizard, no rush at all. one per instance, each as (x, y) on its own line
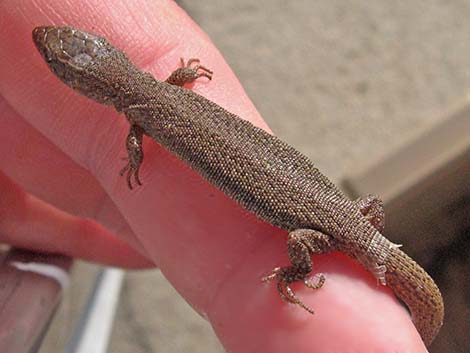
(262, 173)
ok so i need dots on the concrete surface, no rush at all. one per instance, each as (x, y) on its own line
(345, 82)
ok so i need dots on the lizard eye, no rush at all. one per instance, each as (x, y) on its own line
(80, 61)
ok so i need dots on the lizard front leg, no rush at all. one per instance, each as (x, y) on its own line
(188, 73)
(301, 244)
(135, 155)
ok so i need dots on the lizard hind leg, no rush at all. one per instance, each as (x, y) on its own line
(373, 209)
(301, 244)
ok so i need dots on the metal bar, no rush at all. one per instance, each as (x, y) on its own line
(95, 326)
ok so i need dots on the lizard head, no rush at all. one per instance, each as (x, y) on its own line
(71, 55)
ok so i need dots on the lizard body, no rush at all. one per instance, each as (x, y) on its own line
(262, 173)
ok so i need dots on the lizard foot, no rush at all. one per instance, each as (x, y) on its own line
(130, 171)
(188, 73)
(284, 279)
(198, 69)
(301, 244)
(135, 155)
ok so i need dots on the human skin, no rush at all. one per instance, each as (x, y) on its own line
(64, 151)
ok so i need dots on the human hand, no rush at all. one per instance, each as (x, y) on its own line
(65, 149)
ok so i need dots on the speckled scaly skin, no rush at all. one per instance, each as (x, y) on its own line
(262, 173)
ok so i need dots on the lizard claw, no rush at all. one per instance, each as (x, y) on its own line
(272, 276)
(126, 167)
(188, 73)
(319, 281)
(205, 72)
(130, 171)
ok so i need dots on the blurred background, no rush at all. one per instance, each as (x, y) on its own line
(369, 91)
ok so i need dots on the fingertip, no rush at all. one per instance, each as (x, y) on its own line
(350, 311)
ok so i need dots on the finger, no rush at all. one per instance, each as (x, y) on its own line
(28, 222)
(206, 245)
(38, 166)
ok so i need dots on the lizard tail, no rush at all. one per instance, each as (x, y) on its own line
(417, 289)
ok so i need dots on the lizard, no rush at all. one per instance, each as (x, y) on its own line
(265, 175)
